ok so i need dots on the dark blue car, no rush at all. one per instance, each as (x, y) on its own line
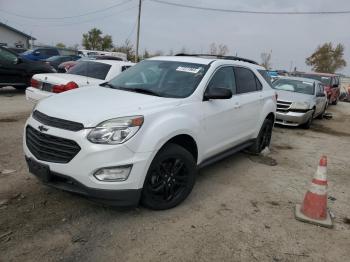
(40, 53)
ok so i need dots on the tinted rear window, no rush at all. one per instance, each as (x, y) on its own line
(90, 69)
(245, 80)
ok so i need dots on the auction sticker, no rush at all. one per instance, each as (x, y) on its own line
(192, 70)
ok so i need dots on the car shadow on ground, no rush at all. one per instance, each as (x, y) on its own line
(10, 91)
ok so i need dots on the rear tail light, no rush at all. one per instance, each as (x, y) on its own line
(34, 83)
(63, 88)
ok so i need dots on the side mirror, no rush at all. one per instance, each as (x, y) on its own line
(36, 53)
(217, 93)
(321, 94)
(18, 60)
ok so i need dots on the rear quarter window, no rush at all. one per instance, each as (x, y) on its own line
(91, 69)
(266, 76)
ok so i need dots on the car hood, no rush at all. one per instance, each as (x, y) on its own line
(293, 96)
(64, 78)
(94, 104)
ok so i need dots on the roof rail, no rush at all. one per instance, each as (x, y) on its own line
(221, 57)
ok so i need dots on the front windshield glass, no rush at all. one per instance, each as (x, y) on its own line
(53, 58)
(326, 80)
(161, 78)
(292, 85)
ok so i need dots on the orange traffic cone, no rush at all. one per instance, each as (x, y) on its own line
(314, 208)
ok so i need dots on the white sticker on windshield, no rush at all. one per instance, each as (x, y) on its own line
(188, 69)
(325, 77)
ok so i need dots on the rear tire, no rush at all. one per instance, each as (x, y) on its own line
(169, 179)
(264, 138)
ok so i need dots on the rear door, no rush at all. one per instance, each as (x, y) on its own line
(249, 92)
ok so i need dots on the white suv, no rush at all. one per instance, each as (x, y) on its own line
(143, 135)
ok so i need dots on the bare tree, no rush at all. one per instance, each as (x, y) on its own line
(266, 60)
(213, 49)
(220, 49)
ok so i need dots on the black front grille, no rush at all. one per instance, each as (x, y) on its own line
(57, 122)
(283, 106)
(50, 148)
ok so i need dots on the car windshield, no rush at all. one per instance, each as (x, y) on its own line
(326, 80)
(53, 58)
(292, 85)
(90, 69)
(161, 78)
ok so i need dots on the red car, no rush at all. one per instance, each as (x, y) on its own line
(331, 82)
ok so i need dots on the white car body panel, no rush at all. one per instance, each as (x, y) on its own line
(35, 94)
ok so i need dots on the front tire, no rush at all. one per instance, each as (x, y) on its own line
(307, 125)
(169, 179)
(264, 138)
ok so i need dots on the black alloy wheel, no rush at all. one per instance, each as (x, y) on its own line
(170, 178)
(264, 138)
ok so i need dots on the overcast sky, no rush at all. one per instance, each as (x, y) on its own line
(291, 38)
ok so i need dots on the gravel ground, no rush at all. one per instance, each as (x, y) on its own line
(241, 209)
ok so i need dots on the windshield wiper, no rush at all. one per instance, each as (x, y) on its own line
(139, 90)
(108, 84)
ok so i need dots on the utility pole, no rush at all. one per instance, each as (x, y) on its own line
(138, 33)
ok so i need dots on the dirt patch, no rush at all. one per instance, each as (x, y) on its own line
(8, 120)
(328, 130)
(265, 160)
(282, 147)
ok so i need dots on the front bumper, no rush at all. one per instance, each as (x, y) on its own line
(79, 171)
(120, 198)
(34, 94)
(292, 118)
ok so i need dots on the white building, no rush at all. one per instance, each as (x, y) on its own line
(11, 37)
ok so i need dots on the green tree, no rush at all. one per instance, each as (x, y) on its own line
(94, 40)
(106, 43)
(60, 45)
(327, 59)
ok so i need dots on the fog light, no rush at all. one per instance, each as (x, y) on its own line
(113, 174)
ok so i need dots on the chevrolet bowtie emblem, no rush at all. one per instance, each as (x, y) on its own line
(42, 128)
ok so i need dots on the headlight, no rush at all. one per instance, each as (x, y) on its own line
(300, 105)
(115, 131)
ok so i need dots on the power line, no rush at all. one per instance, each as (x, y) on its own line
(66, 17)
(252, 12)
(75, 23)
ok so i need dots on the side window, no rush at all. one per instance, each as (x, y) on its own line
(245, 80)
(223, 78)
(42, 51)
(319, 89)
(7, 57)
(258, 84)
(52, 52)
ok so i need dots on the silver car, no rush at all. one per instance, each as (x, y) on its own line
(300, 100)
